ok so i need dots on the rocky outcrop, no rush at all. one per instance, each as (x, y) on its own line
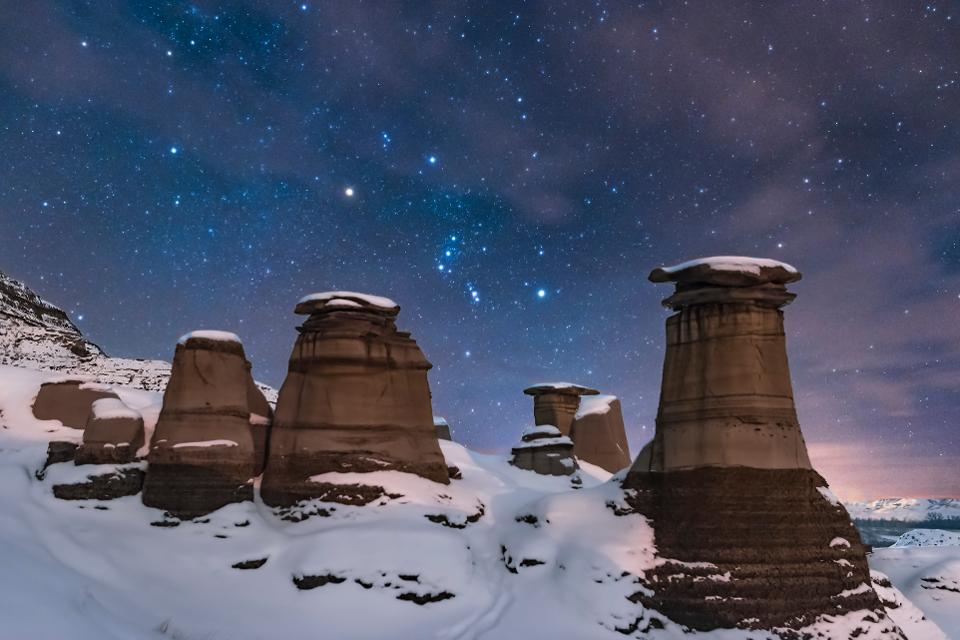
(442, 427)
(556, 403)
(598, 434)
(69, 400)
(356, 399)
(748, 533)
(202, 454)
(544, 450)
(113, 434)
(261, 421)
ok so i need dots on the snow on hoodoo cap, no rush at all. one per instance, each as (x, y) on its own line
(113, 409)
(210, 340)
(565, 388)
(345, 301)
(728, 271)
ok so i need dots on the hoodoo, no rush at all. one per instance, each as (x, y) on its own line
(356, 399)
(113, 434)
(749, 533)
(202, 453)
(598, 434)
(544, 450)
(556, 403)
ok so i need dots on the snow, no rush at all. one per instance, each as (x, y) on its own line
(113, 409)
(342, 297)
(737, 264)
(929, 577)
(547, 386)
(928, 538)
(540, 429)
(594, 405)
(829, 495)
(907, 509)
(210, 334)
(440, 421)
(205, 443)
(522, 554)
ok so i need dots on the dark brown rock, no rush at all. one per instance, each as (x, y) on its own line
(598, 434)
(555, 403)
(113, 434)
(748, 534)
(544, 450)
(442, 427)
(107, 486)
(261, 421)
(356, 399)
(57, 451)
(69, 401)
(202, 454)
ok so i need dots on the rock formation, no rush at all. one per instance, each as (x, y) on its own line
(69, 400)
(356, 399)
(442, 427)
(749, 533)
(113, 434)
(545, 450)
(202, 454)
(556, 403)
(261, 420)
(598, 434)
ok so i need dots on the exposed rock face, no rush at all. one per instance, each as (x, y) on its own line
(442, 427)
(356, 399)
(727, 480)
(598, 434)
(556, 403)
(69, 400)
(113, 434)
(545, 450)
(202, 454)
(261, 420)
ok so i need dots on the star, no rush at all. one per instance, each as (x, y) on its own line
(541, 293)
(348, 191)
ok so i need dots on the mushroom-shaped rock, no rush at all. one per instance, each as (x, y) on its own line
(69, 400)
(726, 482)
(113, 434)
(555, 403)
(356, 399)
(545, 450)
(202, 455)
(598, 434)
(442, 427)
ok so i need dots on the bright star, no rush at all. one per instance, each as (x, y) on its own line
(432, 159)
(541, 293)
(173, 151)
(348, 192)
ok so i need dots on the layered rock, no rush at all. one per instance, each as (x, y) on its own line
(261, 420)
(112, 435)
(749, 533)
(598, 433)
(546, 451)
(356, 399)
(69, 400)
(556, 403)
(443, 428)
(202, 454)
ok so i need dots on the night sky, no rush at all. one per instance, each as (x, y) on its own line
(509, 173)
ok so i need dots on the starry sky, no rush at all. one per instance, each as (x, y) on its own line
(509, 173)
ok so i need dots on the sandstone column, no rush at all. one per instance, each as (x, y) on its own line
(750, 534)
(356, 399)
(556, 403)
(598, 433)
(202, 453)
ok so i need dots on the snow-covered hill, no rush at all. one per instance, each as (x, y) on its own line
(499, 553)
(929, 538)
(908, 509)
(36, 334)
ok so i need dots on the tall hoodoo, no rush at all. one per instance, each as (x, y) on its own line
(202, 454)
(556, 403)
(356, 399)
(750, 534)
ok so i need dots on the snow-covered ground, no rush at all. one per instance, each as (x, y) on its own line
(907, 509)
(501, 553)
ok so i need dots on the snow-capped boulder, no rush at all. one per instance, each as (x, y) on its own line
(202, 455)
(356, 400)
(443, 428)
(69, 400)
(544, 450)
(113, 434)
(598, 433)
(556, 403)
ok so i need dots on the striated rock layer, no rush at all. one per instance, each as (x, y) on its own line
(748, 531)
(202, 454)
(356, 399)
(556, 403)
(598, 433)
